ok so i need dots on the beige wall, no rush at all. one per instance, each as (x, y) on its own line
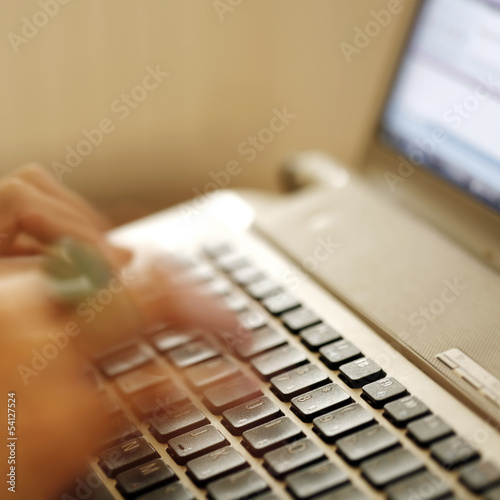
(225, 78)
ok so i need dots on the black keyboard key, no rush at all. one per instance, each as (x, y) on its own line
(215, 465)
(383, 391)
(211, 372)
(117, 429)
(247, 415)
(339, 353)
(229, 262)
(453, 452)
(91, 489)
(246, 275)
(195, 443)
(262, 289)
(345, 493)
(297, 381)
(390, 467)
(144, 477)
(277, 361)
(166, 341)
(175, 421)
(314, 480)
(252, 319)
(493, 494)
(339, 423)
(480, 476)
(360, 372)
(263, 340)
(126, 455)
(124, 360)
(300, 318)
(192, 353)
(319, 401)
(269, 495)
(243, 484)
(366, 443)
(173, 491)
(269, 436)
(422, 486)
(141, 379)
(158, 400)
(318, 336)
(292, 457)
(280, 303)
(229, 394)
(427, 430)
(404, 410)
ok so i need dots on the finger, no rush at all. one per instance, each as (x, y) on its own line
(25, 209)
(36, 175)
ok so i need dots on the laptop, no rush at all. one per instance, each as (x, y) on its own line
(372, 293)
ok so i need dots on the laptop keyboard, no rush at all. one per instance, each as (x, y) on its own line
(175, 392)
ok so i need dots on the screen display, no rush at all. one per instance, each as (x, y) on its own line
(443, 112)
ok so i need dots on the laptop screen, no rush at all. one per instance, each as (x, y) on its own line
(443, 112)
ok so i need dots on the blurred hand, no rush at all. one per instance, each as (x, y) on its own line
(57, 411)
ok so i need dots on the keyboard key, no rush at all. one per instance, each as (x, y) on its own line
(269, 436)
(243, 484)
(166, 341)
(338, 353)
(453, 452)
(262, 289)
(229, 394)
(493, 494)
(404, 410)
(96, 489)
(315, 479)
(218, 286)
(277, 361)
(321, 400)
(267, 496)
(158, 400)
(192, 444)
(192, 353)
(211, 372)
(263, 340)
(246, 275)
(360, 372)
(300, 318)
(173, 491)
(318, 336)
(423, 486)
(252, 319)
(480, 476)
(280, 303)
(118, 429)
(229, 262)
(339, 423)
(297, 381)
(125, 359)
(247, 415)
(236, 302)
(383, 391)
(344, 493)
(292, 457)
(390, 467)
(427, 430)
(215, 465)
(176, 421)
(200, 272)
(126, 455)
(366, 443)
(141, 379)
(143, 478)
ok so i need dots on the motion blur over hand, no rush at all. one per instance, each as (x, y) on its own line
(45, 347)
